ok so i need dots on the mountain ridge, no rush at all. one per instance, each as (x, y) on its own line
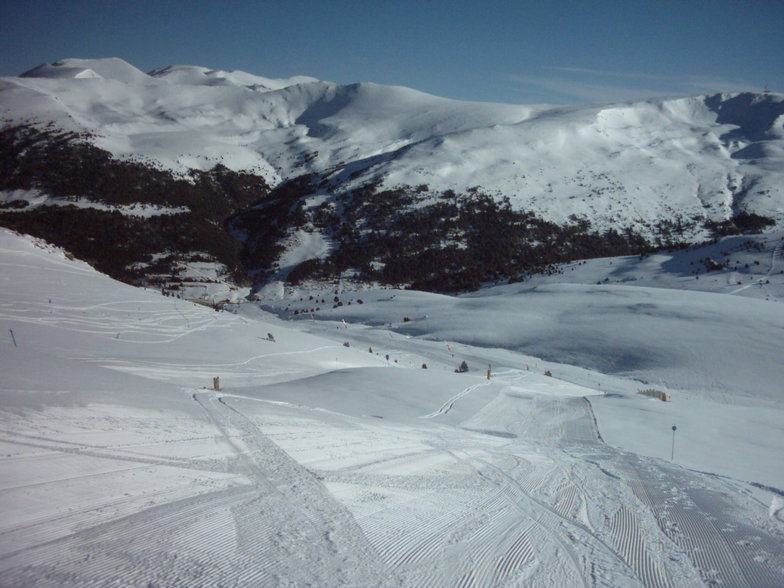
(691, 164)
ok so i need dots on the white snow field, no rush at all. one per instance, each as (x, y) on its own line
(321, 464)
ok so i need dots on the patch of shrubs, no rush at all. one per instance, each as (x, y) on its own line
(741, 222)
(63, 165)
(123, 246)
(749, 222)
(264, 225)
(452, 242)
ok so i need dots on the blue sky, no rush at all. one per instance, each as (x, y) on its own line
(520, 52)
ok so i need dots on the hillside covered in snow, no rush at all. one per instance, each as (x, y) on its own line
(332, 176)
(465, 318)
(340, 447)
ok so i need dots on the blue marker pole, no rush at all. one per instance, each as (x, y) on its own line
(674, 428)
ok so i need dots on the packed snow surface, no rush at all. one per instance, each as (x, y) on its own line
(329, 456)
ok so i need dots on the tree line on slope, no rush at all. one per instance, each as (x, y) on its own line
(131, 248)
(452, 242)
(406, 236)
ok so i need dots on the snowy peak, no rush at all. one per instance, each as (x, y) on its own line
(111, 68)
(114, 68)
(758, 117)
(193, 75)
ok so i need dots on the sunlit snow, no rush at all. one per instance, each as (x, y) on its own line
(324, 435)
(329, 456)
(628, 164)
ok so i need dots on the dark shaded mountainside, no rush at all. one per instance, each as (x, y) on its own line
(234, 219)
(401, 236)
(92, 197)
(144, 225)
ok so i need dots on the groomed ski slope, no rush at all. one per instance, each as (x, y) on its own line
(321, 464)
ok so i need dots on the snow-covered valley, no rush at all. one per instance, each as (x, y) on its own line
(329, 456)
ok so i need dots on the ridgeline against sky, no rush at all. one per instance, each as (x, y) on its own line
(517, 52)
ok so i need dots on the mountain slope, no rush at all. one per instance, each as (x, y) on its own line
(655, 171)
(134, 222)
(321, 462)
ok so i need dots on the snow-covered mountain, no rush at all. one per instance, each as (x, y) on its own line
(673, 166)
(339, 446)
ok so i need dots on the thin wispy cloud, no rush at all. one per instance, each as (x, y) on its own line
(574, 91)
(606, 73)
(709, 84)
(579, 85)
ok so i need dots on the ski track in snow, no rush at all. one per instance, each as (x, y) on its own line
(213, 539)
(293, 493)
(504, 481)
(509, 528)
(778, 251)
(532, 510)
(447, 406)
